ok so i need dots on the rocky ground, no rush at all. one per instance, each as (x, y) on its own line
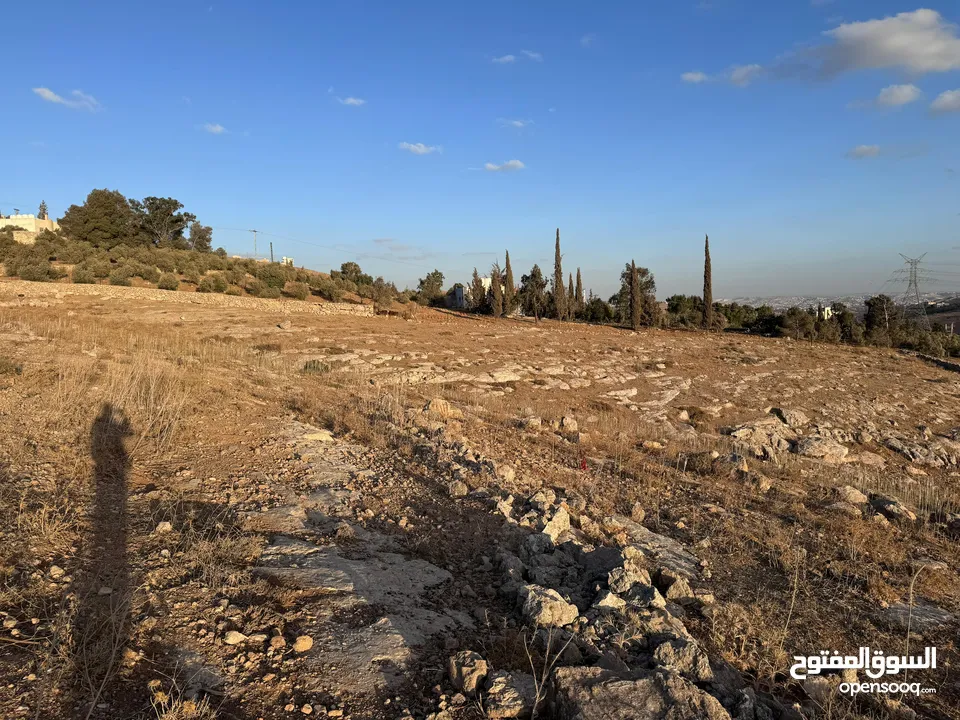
(237, 513)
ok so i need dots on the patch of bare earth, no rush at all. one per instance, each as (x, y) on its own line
(229, 512)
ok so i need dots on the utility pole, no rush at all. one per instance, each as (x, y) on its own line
(271, 251)
(254, 243)
(912, 293)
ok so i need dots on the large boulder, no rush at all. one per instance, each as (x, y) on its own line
(590, 693)
(510, 695)
(822, 448)
(892, 508)
(546, 608)
(790, 418)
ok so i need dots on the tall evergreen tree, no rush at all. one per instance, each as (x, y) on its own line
(559, 296)
(496, 289)
(509, 289)
(707, 286)
(578, 294)
(533, 292)
(571, 298)
(42, 212)
(478, 293)
(636, 298)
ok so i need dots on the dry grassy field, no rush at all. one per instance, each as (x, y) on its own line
(236, 512)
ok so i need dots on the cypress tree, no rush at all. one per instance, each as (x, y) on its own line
(707, 286)
(559, 294)
(478, 293)
(42, 212)
(571, 298)
(496, 287)
(636, 299)
(509, 290)
(578, 294)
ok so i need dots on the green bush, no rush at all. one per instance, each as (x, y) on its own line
(120, 276)
(234, 290)
(192, 277)
(83, 276)
(327, 289)
(316, 367)
(297, 290)
(271, 293)
(253, 286)
(274, 275)
(213, 284)
(35, 272)
(168, 281)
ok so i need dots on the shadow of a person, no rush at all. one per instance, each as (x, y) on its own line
(100, 629)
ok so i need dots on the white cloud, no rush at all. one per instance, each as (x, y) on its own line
(215, 128)
(533, 55)
(695, 77)
(504, 167)
(897, 95)
(552, 110)
(588, 40)
(519, 123)
(948, 101)
(78, 99)
(420, 148)
(354, 101)
(505, 59)
(743, 75)
(863, 151)
(919, 42)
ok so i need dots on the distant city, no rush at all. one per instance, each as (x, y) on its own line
(856, 302)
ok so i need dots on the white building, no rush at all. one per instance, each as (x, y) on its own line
(30, 225)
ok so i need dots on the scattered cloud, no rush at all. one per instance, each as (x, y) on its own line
(948, 101)
(507, 166)
(743, 75)
(696, 77)
(918, 42)
(519, 123)
(185, 100)
(863, 151)
(505, 59)
(78, 100)
(215, 129)
(739, 75)
(588, 40)
(533, 55)
(420, 148)
(552, 110)
(354, 101)
(897, 95)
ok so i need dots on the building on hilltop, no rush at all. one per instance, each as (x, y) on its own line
(29, 226)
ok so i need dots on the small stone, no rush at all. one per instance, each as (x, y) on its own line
(546, 608)
(233, 637)
(302, 644)
(637, 513)
(56, 572)
(163, 527)
(568, 424)
(457, 489)
(849, 494)
(307, 709)
(278, 642)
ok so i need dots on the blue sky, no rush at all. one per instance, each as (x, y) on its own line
(812, 140)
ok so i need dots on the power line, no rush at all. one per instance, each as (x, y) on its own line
(912, 292)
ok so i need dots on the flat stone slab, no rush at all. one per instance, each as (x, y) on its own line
(925, 619)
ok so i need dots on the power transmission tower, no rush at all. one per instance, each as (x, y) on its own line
(254, 243)
(912, 293)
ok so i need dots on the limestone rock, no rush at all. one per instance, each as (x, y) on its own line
(457, 488)
(850, 494)
(822, 448)
(546, 608)
(700, 463)
(590, 693)
(467, 670)
(302, 644)
(557, 525)
(510, 695)
(232, 637)
(790, 418)
(892, 508)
